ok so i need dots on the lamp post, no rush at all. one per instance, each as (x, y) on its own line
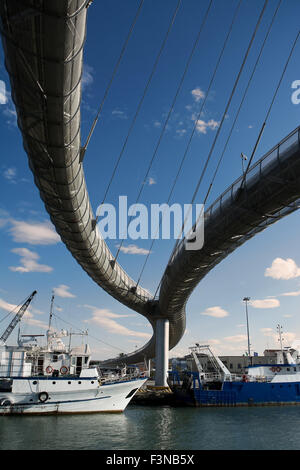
(244, 158)
(246, 300)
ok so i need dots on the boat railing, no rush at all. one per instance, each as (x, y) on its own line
(211, 376)
(123, 378)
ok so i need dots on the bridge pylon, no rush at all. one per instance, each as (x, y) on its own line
(161, 352)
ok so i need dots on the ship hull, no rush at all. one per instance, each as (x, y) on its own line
(250, 394)
(67, 396)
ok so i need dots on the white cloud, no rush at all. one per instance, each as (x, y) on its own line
(236, 338)
(63, 291)
(11, 115)
(197, 94)
(37, 323)
(267, 331)
(265, 303)
(181, 132)
(3, 95)
(10, 174)
(13, 309)
(151, 181)
(133, 250)
(287, 337)
(106, 319)
(29, 262)
(119, 114)
(28, 316)
(283, 269)
(216, 312)
(7, 306)
(34, 233)
(9, 108)
(203, 126)
(291, 294)
(87, 76)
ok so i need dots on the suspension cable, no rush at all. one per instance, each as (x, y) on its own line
(194, 129)
(222, 120)
(171, 109)
(141, 101)
(83, 149)
(97, 339)
(242, 101)
(271, 106)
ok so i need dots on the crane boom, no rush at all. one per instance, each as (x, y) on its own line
(16, 318)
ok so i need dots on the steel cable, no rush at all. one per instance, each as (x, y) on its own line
(223, 119)
(243, 99)
(83, 150)
(271, 106)
(194, 128)
(171, 109)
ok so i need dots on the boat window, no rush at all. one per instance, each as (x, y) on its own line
(54, 358)
(53, 383)
(34, 382)
(287, 368)
(86, 360)
(69, 383)
(79, 382)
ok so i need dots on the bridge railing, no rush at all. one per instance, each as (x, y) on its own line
(277, 152)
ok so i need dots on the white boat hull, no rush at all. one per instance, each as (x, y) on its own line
(68, 396)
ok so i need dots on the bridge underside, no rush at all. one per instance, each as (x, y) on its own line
(43, 43)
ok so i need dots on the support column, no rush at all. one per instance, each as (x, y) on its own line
(161, 352)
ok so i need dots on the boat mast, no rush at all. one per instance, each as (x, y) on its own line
(50, 319)
(280, 339)
(246, 300)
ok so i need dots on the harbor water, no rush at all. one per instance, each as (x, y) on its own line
(157, 428)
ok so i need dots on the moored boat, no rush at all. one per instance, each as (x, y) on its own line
(56, 379)
(263, 384)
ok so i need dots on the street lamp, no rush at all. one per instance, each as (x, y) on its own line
(246, 300)
(244, 158)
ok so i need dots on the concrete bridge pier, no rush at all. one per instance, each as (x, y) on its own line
(161, 352)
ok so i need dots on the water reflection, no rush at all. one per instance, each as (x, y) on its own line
(156, 428)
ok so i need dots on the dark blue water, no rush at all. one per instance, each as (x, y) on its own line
(153, 428)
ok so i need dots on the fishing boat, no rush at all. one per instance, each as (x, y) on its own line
(57, 378)
(261, 384)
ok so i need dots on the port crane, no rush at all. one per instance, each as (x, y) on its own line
(16, 319)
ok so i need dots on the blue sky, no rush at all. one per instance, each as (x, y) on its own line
(266, 268)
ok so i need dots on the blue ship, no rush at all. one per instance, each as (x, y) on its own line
(263, 384)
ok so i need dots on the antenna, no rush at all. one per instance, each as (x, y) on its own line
(50, 318)
(280, 339)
